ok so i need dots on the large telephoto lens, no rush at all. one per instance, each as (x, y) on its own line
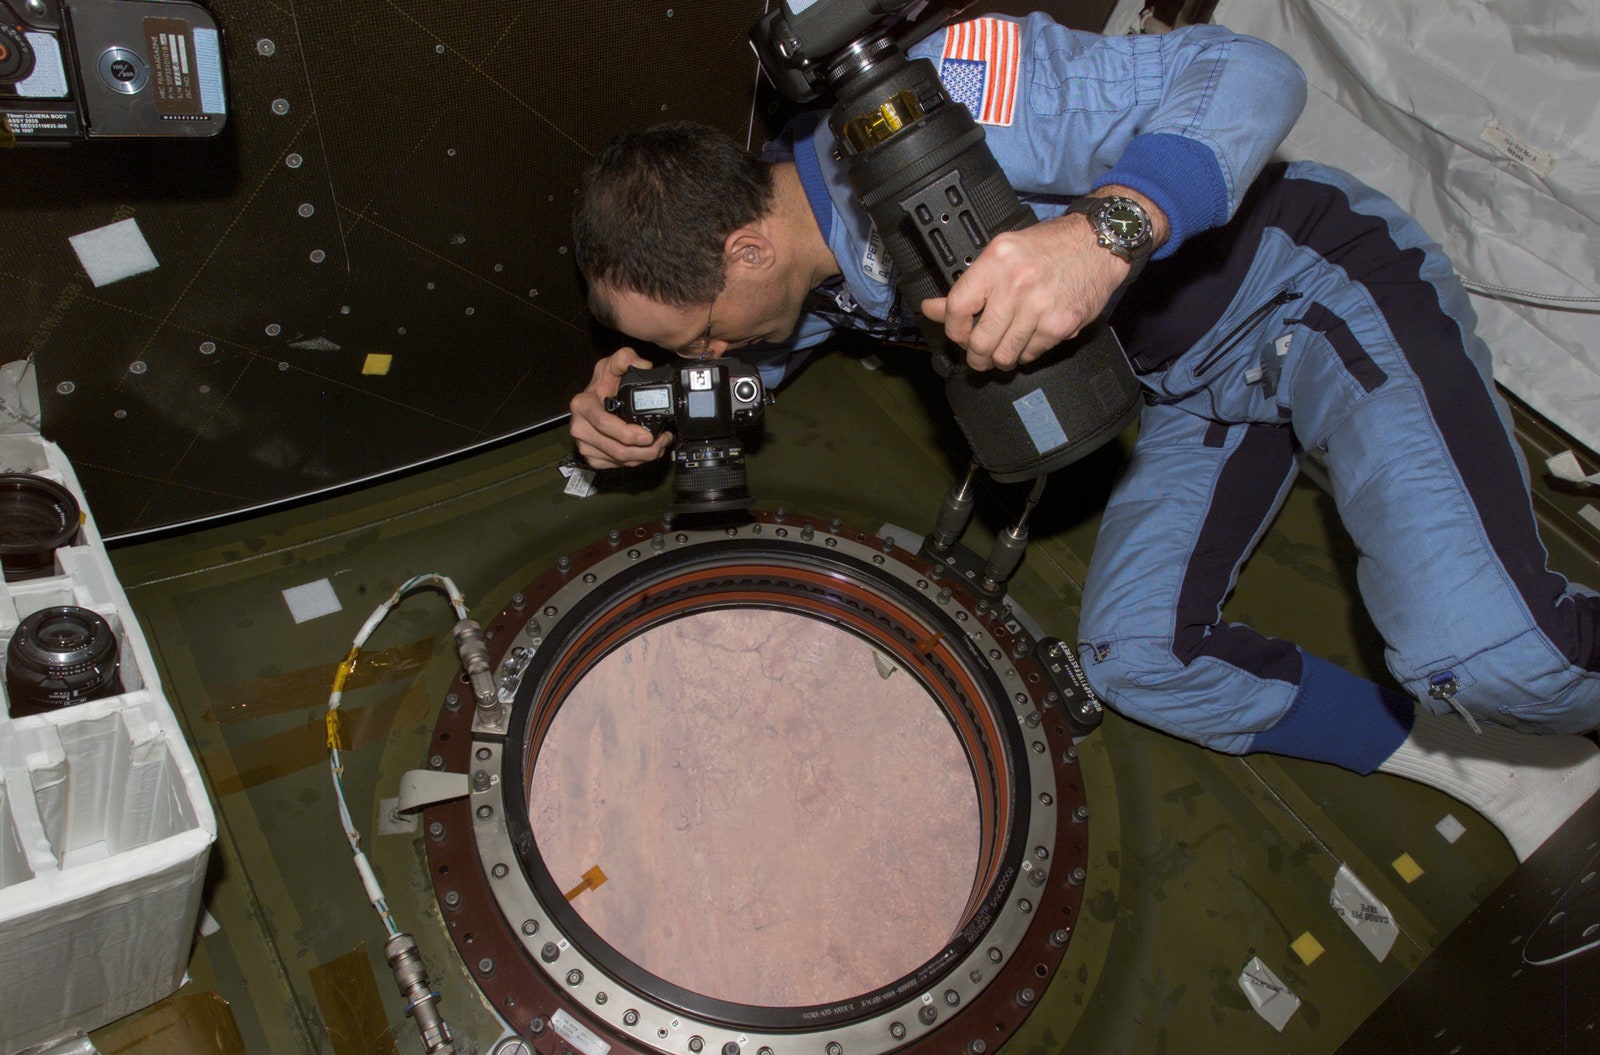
(919, 165)
(931, 144)
(60, 656)
(37, 517)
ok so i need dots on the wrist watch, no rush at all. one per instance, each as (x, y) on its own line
(1121, 225)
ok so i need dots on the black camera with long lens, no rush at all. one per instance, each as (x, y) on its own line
(59, 656)
(918, 163)
(705, 404)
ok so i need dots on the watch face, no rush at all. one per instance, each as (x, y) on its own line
(1125, 223)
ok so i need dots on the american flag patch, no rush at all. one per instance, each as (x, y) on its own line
(980, 65)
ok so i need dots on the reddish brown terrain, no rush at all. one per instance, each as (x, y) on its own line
(778, 823)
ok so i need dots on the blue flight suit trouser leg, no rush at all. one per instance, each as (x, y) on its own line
(1371, 361)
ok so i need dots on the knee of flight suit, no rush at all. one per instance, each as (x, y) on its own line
(1525, 682)
(1200, 701)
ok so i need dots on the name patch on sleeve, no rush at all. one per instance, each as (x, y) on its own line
(875, 259)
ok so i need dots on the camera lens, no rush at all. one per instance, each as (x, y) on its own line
(37, 516)
(710, 478)
(16, 56)
(60, 656)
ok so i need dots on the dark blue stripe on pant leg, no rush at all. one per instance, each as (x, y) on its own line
(1460, 404)
(1245, 498)
(1178, 300)
(1367, 373)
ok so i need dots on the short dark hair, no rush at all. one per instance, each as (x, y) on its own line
(656, 208)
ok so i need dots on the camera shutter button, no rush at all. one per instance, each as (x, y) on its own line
(123, 71)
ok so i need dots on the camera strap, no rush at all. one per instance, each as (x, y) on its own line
(833, 302)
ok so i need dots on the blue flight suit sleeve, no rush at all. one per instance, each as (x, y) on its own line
(1187, 118)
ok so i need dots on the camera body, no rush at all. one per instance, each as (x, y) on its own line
(800, 44)
(73, 70)
(705, 404)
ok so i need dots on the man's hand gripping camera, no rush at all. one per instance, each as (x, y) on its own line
(705, 404)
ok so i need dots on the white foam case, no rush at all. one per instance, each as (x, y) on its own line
(105, 824)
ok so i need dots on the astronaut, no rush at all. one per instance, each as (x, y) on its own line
(1272, 312)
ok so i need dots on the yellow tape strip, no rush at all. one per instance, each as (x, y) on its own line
(591, 879)
(352, 1005)
(185, 1024)
(343, 673)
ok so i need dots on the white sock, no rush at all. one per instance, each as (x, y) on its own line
(1525, 784)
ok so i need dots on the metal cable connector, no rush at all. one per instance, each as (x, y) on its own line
(474, 653)
(1010, 543)
(412, 977)
(954, 512)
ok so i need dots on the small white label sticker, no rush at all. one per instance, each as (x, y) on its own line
(1565, 466)
(580, 482)
(576, 1034)
(875, 261)
(1540, 161)
(1450, 828)
(1363, 913)
(1267, 994)
(114, 252)
(311, 600)
(49, 77)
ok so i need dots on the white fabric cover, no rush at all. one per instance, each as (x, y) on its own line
(1482, 119)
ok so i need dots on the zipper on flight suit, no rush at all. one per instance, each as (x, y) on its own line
(1243, 330)
(1444, 686)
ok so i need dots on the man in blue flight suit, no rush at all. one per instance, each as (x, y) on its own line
(1279, 310)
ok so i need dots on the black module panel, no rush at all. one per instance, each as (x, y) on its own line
(395, 178)
(1521, 974)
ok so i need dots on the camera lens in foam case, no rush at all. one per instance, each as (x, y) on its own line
(60, 656)
(37, 516)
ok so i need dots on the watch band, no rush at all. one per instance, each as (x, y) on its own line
(1104, 214)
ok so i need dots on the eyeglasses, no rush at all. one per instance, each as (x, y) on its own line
(700, 347)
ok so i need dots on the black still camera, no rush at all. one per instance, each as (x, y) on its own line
(919, 166)
(705, 404)
(92, 69)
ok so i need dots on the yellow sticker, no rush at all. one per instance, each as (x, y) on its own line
(1408, 868)
(377, 363)
(1307, 947)
(591, 879)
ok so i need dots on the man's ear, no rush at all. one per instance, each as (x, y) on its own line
(749, 249)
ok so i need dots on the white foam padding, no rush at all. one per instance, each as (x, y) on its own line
(105, 824)
(311, 600)
(114, 252)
